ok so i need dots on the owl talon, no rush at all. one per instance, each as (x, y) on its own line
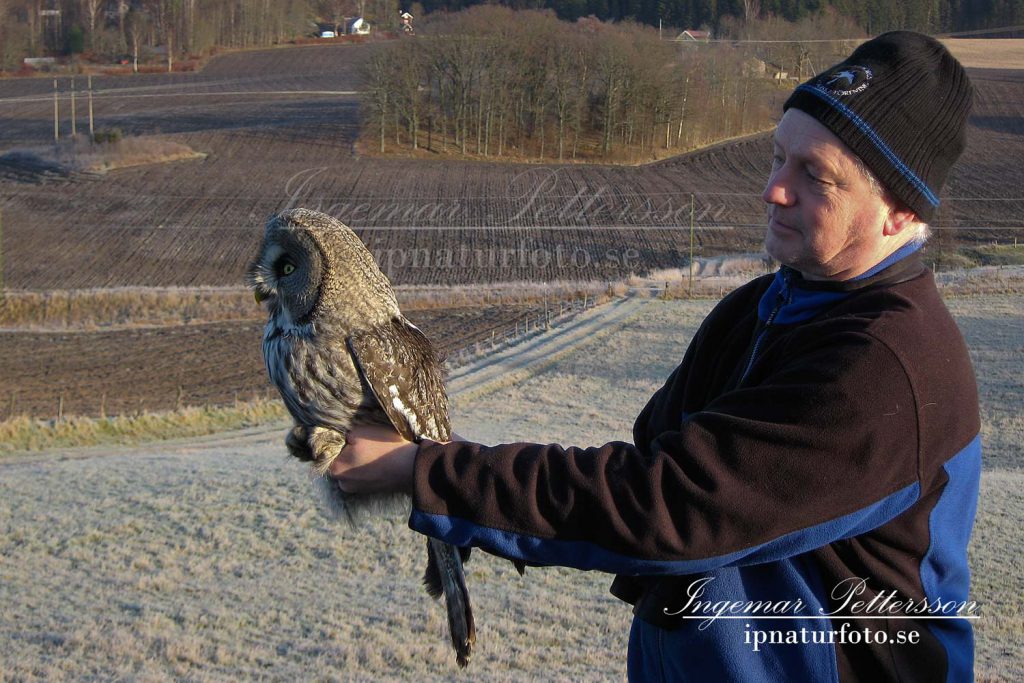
(325, 445)
(297, 443)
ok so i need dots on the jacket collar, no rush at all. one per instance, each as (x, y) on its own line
(791, 299)
(903, 264)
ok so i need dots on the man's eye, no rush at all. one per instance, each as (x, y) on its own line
(816, 179)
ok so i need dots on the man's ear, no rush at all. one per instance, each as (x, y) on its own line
(899, 219)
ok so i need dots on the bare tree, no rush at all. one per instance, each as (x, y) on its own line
(90, 10)
(610, 76)
(406, 76)
(751, 9)
(380, 70)
(136, 25)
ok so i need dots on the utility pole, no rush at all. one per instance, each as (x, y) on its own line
(56, 113)
(92, 132)
(690, 289)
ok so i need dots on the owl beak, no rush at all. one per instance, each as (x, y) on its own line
(260, 296)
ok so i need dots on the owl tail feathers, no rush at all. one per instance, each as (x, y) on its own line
(445, 576)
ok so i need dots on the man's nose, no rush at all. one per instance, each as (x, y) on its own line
(779, 189)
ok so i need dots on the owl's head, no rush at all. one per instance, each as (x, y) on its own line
(311, 265)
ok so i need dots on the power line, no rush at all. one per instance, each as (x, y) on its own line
(981, 31)
(733, 41)
(350, 199)
(113, 94)
(725, 225)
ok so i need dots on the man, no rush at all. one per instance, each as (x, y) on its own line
(818, 446)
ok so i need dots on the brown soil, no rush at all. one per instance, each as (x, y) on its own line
(160, 368)
(987, 53)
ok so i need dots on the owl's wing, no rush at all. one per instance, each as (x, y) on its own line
(399, 365)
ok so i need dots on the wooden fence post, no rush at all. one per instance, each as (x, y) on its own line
(1, 256)
(56, 113)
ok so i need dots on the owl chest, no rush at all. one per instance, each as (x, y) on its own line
(316, 377)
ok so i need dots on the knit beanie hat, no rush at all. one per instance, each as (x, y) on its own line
(900, 102)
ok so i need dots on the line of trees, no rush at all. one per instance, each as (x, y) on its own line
(525, 84)
(874, 16)
(180, 28)
(108, 28)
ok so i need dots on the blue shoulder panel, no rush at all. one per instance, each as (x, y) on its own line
(588, 555)
(944, 571)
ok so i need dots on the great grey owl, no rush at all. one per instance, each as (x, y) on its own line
(341, 353)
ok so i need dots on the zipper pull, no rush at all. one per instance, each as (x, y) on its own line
(785, 295)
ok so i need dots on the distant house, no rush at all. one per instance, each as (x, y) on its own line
(326, 29)
(37, 62)
(694, 36)
(777, 72)
(358, 26)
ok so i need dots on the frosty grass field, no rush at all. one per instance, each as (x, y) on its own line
(207, 561)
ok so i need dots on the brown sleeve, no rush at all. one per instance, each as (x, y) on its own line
(823, 448)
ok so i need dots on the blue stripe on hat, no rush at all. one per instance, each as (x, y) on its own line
(874, 137)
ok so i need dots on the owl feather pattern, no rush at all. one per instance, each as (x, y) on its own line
(341, 354)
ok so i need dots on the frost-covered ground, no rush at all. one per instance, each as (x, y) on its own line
(207, 560)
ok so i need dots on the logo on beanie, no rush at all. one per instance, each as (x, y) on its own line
(844, 80)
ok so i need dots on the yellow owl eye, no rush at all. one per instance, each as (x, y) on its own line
(288, 269)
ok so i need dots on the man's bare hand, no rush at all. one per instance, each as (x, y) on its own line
(376, 459)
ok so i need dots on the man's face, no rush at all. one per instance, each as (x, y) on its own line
(824, 218)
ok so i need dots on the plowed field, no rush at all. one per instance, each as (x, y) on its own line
(278, 127)
(275, 139)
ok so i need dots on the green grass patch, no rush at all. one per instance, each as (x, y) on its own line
(949, 260)
(974, 256)
(997, 254)
(22, 434)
